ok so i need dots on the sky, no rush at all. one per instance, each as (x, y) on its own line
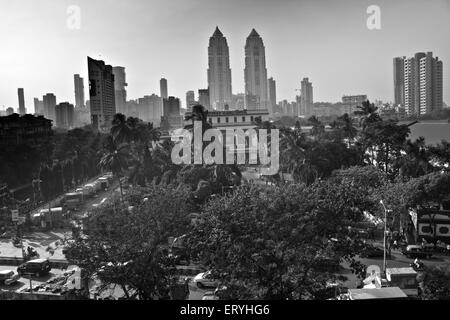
(327, 41)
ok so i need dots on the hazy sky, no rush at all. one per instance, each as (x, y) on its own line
(326, 41)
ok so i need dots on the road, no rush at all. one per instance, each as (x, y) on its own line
(24, 282)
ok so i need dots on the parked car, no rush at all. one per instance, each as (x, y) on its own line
(372, 252)
(37, 267)
(416, 251)
(8, 277)
(205, 280)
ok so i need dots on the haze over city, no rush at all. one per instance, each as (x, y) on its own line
(328, 42)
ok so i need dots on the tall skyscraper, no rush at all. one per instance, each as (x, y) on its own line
(163, 88)
(255, 73)
(22, 109)
(219, 72)
(306, 98)
(399, 81)
(38, 106)
(64, 115)
(190, 100)
(79, 91)
(203, 98)
(49, 107)
(101, 94)
(272, 94)
(423, 84)
(120, 92)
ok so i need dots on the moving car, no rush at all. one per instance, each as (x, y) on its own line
(36, 267)
(205, 280)
(8, 277)
(415, 251)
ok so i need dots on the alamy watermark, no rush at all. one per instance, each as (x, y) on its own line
(236, 147)
(74, 17)
(374, 19)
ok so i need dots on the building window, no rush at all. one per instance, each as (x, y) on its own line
(235, 119)
(226, 119)
(443, 230)
(251, 118)
(243, 119)
(218, 120)
(426, 229)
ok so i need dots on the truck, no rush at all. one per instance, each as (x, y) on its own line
(95, 186)
(73, 200)
(54, 217)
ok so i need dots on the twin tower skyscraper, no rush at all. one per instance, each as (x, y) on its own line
(255, 73)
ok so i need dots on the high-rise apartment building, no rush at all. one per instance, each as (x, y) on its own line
(120, 93)
(22, 109)
(64, 115)
(38, 106)
(101, 94)
(350, 103)
(49, 101)
(163, 88)
(219, 72)
(171, 118)
(150, 109)
(190, 100)
(306, 98)
(423, 84)
(79, 91)
(399, 81)
(203, 98)
(255, 73)
(272, 94)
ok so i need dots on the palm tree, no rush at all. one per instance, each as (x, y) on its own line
(115, 158)
(317, 127)
(293, 153)
(120, 131)
(415, 162)
(347, 126)
(367, 113)
(199, 113)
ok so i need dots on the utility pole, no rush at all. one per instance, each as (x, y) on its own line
(384, 237)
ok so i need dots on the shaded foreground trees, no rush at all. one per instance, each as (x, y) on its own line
(127, 244)
(436, 283)
(279, 242)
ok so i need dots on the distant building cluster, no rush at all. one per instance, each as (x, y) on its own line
(418, 90)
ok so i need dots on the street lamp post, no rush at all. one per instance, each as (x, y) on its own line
(384, 237)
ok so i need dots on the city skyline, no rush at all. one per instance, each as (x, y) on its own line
(314, 56)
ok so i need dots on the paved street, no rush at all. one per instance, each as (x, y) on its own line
(25, 282)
